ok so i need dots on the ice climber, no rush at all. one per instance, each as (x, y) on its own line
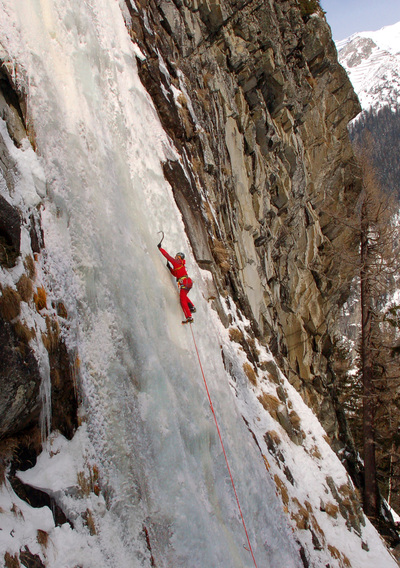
(185, 283)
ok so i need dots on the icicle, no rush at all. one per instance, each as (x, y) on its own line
(45, 397)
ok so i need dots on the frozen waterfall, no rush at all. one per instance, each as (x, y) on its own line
(146, 419)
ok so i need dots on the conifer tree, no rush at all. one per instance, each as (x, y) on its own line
(378, 263)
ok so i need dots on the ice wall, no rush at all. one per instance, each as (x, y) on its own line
(150, 429)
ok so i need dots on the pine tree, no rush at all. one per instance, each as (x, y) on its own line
(378, 264)
(388, 407)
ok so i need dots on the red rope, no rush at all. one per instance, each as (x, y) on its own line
(223, 449)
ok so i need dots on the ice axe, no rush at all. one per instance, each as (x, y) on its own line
(159, 246)
(162, 238)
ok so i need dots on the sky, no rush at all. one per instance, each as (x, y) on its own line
(347, 17)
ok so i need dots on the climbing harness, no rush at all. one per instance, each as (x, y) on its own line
(185, 282)
(223, 450)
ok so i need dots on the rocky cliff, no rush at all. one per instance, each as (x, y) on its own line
(35, 365)
(254, 98)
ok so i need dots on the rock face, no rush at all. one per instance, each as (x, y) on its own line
(32, 351)
(257, 105)
(254, 98)
(10, 233)
(20, 381)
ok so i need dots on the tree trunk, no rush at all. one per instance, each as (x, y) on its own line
(390, 484)
(370, 483)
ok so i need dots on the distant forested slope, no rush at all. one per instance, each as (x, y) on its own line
(384, 127)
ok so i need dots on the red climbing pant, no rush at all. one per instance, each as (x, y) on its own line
(185, 302)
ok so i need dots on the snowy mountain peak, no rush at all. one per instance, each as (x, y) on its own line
(387, 38)
(372, 61)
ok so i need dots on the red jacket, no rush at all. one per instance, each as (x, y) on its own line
(178, 265)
